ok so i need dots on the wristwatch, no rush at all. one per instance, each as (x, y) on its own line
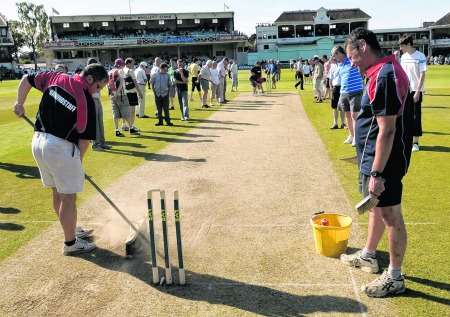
(375, 174)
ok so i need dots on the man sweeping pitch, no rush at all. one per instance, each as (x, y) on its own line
(65, 123)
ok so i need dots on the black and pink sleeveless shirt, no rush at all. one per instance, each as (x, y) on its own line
(67, 109)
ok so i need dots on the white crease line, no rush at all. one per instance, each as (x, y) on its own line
(358, 298)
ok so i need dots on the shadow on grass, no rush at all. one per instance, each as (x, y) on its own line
(185, 134)
(8, 226)
(257, 299)
(9, 210)
(435, 148)
(439, 285)
(351, 159)
(436, 133)
(22, 171)
(130, 144)
(155, 156)
(172, 140)
(436, 107)
(432, 298)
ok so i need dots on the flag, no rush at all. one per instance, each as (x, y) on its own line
(54, 11)
(225, 7)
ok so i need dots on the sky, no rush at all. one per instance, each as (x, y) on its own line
(248, 13)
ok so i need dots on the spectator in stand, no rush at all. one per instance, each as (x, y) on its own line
(234, 75)
(99, 144)
(335, 84)
(205, 79)
(119, 100)
(181, 77)
(317, 79)
(351, 90)
(161, 83)
(131, 90)
(414, 64)
(215, 81)
(141, 80)
(326, 80)
(222, 68)
(194, 70)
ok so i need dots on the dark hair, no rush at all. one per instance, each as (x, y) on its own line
(406, 39)
(338, 49)
(363, 34)
(128, 60)
(325, 56)
(97, 71)
(164, 65)
(91, 60)
(195, 59)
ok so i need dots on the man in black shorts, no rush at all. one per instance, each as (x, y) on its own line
(384, 143)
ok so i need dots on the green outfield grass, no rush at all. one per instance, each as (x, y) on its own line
(426, 196)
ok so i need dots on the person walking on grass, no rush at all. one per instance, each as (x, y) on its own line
(119, 100)
(384, 144)
(173, 88)
(194, 71)
(181, 78)
(299, 74)
(141, 81)
(222, 67)
(205, 78)
(65, 124)
(351, 91)
(414, 64)
(99, 144)
(161, 83)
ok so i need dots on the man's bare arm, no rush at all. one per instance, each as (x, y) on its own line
(22, 93)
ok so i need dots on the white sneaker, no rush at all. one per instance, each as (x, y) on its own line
(348, 140)
(353, 142)
(384, 285)
(415, 147)
(82, 233)
(369, 265)
(80, 246)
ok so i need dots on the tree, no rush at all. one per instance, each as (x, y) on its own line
(18, 38)
(33, 24)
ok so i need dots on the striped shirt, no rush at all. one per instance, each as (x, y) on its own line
(351, 80)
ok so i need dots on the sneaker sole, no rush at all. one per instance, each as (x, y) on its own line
(397, 292)
(69, 253)
(366, 269)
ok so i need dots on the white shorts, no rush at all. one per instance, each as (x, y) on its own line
(59, 163)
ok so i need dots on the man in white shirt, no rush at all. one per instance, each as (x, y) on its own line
(299, 74)
(222, 68)
(335, 83)
(414, 64)
(205, 78)
(215, 81)
(306, 70)
(234, 75)
(141, 80)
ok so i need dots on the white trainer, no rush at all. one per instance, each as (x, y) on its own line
(82, 233)
(80, 246)
(348, 140)
(415, 147)
(369, 265)
(384, 285)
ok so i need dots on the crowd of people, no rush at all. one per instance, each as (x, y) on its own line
(128, 84)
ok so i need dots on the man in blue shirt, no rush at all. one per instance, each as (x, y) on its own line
(351, 90)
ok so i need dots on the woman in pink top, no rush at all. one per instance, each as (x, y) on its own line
(326, 80)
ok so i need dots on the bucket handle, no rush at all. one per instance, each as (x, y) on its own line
(318, 213)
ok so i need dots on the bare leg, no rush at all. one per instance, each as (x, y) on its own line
(354, 117)
(67, 213)
(348, 115)
(132, 116)
(396, 229)
(375, 229)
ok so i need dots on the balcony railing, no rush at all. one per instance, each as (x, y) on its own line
(143, 40)
(441, 42)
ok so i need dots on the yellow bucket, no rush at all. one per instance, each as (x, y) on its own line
(331, 240)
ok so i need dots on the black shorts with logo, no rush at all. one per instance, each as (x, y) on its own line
(417, 127)
(392, 194)
(336, 93)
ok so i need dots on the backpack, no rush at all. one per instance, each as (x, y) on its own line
(113, 77)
